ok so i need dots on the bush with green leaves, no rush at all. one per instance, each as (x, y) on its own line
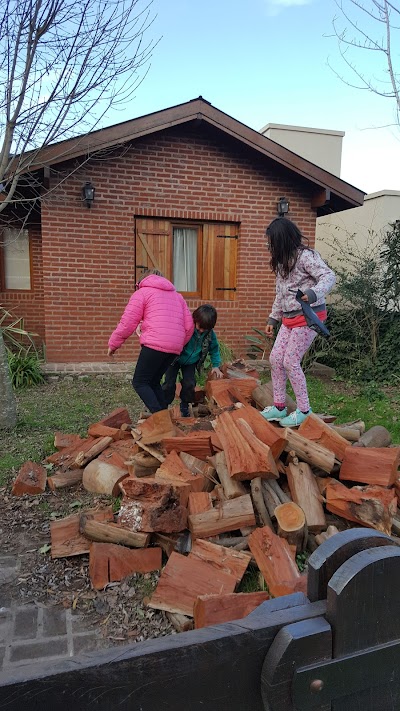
(260, 345)
(25, 369)
(22, 354)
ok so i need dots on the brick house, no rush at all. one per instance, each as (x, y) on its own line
(188, 190)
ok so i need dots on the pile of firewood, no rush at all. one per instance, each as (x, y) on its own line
(215, 492)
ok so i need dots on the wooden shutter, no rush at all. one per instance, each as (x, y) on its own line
(153, 246)
(220, 245)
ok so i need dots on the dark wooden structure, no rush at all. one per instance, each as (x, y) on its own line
(336, 650)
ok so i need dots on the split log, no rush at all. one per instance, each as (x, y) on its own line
(228, 560)
(180, 623)
(305, 492)
(109, 563)
(99, 430)
(141, 515)
(86, 456)
(258, 502)
(199, 501)
(355, 424)
(169, 542)
(310, 452)
(371, 506)
(246, 457)
(151, 449)
(154, 490)
(65, 458)
(272, 436)
(230, 516)
(228, 541)
(271, 499)
(31, 479)
(183, 579)
(143, 464)
(102, 478)
(198, 466)
(116, 418)
(112, 533)
(291, 523)
(350, 433)
(282, 496)
(372, 465)
(66, 538)
(157, 427)
(324, 535)
(314, 429)
(216, 609)
(275, 561)
(62, 480)
(62, 440)
(174, 470)
(224, 392)
(263, 395)
(376, 436)
(198, 444)
(231, 487)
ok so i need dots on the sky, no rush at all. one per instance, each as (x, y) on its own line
(272, 61)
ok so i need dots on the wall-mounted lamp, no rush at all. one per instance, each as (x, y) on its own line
(283, 207)
(88, 191)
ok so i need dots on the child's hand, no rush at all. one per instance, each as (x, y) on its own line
(217, 372)
(110, 352)
(304, 297)
(139, 330)
(269, 330)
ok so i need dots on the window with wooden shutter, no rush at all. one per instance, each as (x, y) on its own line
(220, 244)
(199, 258)
(153, 246)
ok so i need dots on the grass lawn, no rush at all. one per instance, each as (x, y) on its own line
(72, 405)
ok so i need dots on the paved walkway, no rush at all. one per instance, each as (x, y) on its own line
(108, 367)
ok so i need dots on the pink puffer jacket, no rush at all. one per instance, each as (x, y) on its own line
(166, 322)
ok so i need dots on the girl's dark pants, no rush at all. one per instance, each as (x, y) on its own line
(188, 382)
(150, 367)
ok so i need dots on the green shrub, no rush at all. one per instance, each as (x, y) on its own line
(24, 369)
(260, 345)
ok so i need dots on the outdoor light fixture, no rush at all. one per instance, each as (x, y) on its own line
(283, 207)
(88, 191)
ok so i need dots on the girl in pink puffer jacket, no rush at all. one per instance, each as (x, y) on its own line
(166, 325)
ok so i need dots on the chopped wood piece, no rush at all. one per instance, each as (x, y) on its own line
(310, 452)
(315, 429)
(99, 430)
(324, 535)
(371, 506)
(263, 395)
(156, 490)
(357, 424)
(157, 427)
(31, 479)
(85, 456)
(292, 525)
(169, 542)
(275, 561)
(62, 480)
(181, 623)
(66, 539)
(108, 563)
(185, 578)
(198, 444)
(215, 609)
(143, 464)
(372, 465)
(116, 418)
(230, 516)
(151, 449)
(61, 440)
(231, 561)
(246, 456)
(282, 495)
(199, 501)
(173, 469)
(65, 458)
(258, 502)
(198, 466)
(141, 515)
(102, 478)
(271, 498)
(305, 492)
(112, 533)
(349, 433)
(272, 436)
(232, 488)
(224, 392)
(377, 436)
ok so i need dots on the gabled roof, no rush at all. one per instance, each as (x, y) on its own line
(327, 184)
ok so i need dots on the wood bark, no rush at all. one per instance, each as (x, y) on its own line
(263, 395)
(350, 433)
(305, 492)
(291, 523)
(229, 516)
(371, 506)
(66, 538)
(313, 428)
(263, 430)
(259, 503)
(310, 452)
(62, 480)
(102, 478)
(231, 487)
(271, 498)
(112, 533)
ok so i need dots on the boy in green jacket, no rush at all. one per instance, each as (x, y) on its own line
(202, 342)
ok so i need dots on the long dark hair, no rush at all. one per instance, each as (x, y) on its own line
(285, 241)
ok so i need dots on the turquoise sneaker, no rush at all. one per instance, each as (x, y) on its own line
(272, 414)
(294, 419)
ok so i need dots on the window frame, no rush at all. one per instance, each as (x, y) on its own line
(176, 224)
(3, 287)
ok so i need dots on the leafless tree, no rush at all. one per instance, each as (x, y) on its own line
(366, 28)
(63, 64)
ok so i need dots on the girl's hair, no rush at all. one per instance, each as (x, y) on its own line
(285, 241)
(205, 316)
(147, 273)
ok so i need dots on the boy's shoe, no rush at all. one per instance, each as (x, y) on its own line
(184, 407)
(272, 414)
(294, 419)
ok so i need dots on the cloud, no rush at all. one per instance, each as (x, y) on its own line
(274, 7)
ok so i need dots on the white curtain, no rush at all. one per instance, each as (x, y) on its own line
(185, 259)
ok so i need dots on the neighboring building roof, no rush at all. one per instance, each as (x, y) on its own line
(329, 186)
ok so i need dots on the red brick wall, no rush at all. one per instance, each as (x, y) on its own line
(29, 304)
(88, 254)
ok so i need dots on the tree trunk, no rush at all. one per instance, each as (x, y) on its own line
(8, 406)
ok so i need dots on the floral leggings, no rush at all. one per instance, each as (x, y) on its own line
(289, 348)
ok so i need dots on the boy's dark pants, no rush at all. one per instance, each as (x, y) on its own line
(150, 367)
(188, 382)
